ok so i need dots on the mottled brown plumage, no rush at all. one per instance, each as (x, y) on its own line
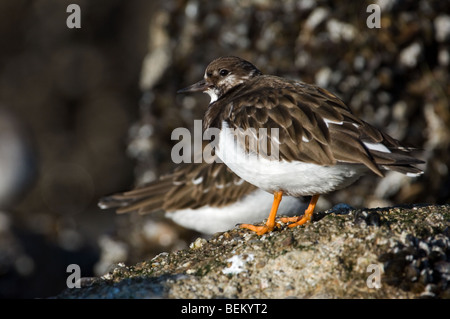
(189, 186)
(306, 112)
(321, 146)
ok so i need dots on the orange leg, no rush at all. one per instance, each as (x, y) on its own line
(270, 224)
(297, 221)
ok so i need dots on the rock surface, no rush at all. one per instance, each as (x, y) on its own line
(338, 255)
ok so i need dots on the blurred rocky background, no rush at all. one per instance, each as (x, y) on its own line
(88, 112)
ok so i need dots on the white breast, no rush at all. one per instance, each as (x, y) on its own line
(293, 178)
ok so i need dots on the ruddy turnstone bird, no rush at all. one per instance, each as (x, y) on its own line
(320, 145)
(208, 198)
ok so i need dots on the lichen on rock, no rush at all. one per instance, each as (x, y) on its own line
(333, 257)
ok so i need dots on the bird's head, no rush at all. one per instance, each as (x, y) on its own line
(222, 75)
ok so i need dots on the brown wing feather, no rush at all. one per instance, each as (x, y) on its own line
(189, 186)
(314, 125)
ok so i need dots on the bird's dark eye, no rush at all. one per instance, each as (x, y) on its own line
(223, 72)
(209, 74)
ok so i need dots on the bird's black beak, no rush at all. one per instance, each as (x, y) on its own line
(200, 86)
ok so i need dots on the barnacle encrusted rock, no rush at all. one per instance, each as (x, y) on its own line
(345, 253)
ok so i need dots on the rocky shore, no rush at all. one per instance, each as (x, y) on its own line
(393, 252)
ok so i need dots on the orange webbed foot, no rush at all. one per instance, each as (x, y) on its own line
(259, 230)
(300, 220)
(270, 224)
